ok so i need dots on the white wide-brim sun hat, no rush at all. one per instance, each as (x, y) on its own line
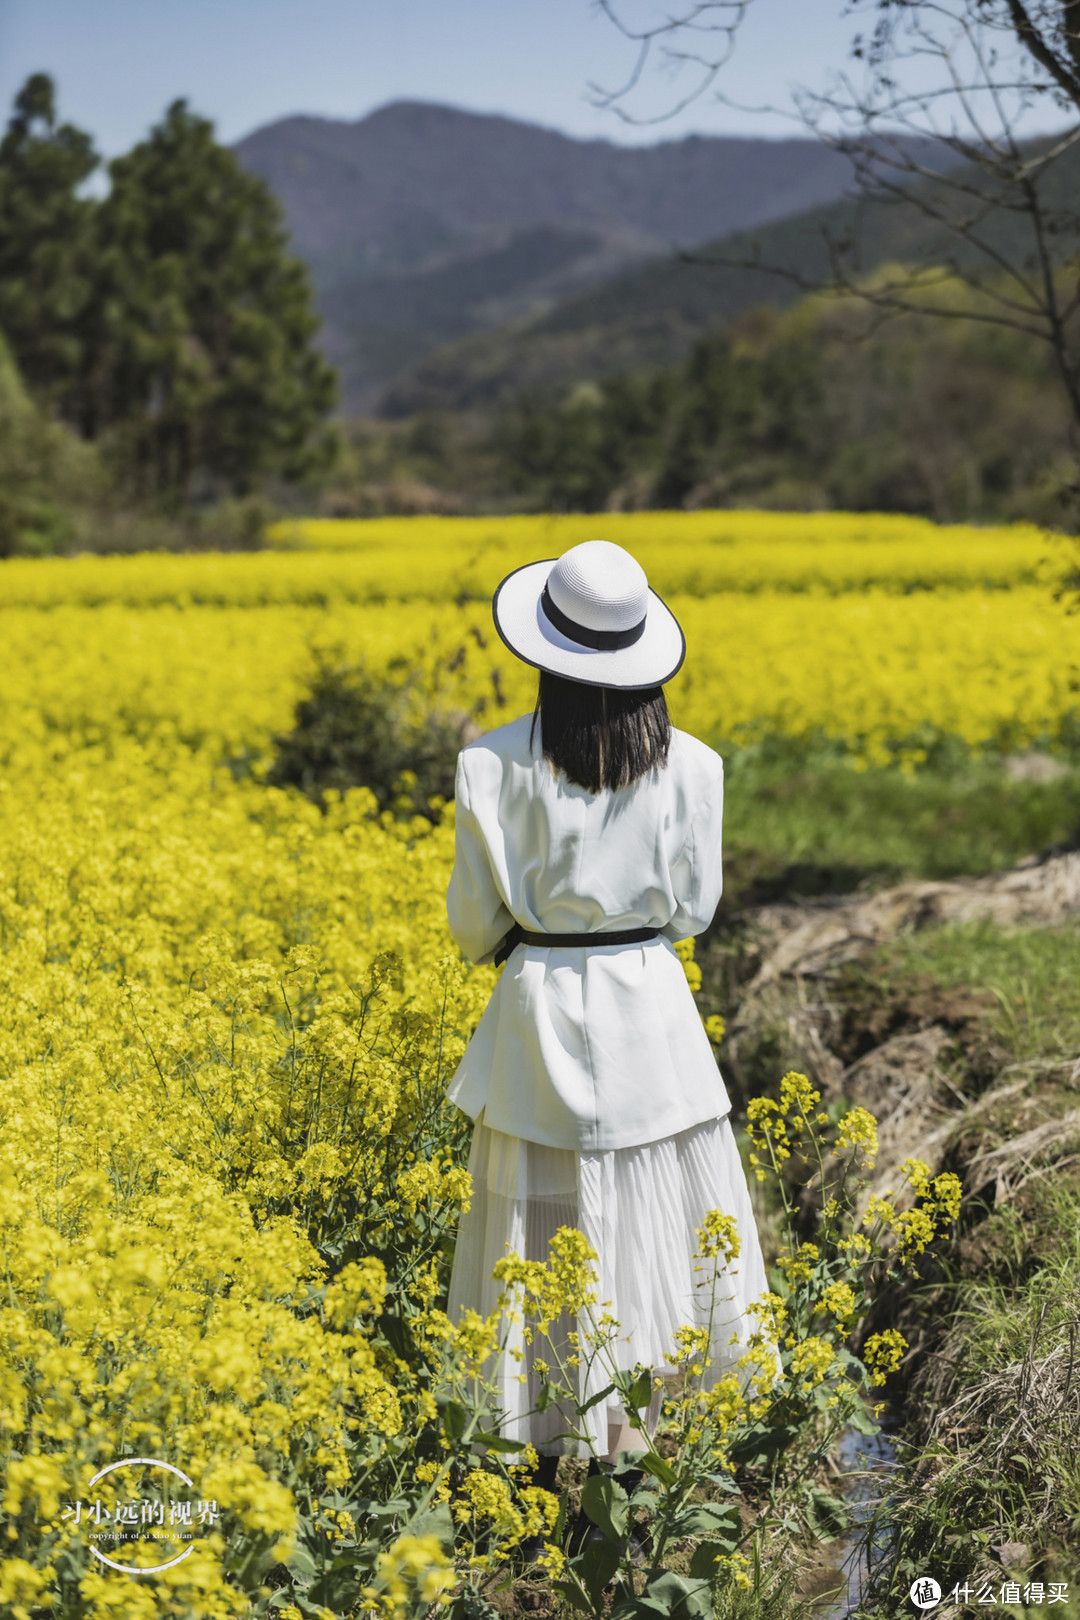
(591, 616)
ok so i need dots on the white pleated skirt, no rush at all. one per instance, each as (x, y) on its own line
(640, 1208)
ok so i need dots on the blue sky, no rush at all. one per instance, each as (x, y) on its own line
(118, 63)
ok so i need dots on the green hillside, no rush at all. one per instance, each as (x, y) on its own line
(652, 316)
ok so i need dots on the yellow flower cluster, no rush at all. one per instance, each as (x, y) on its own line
(778, 1128)
(685, 952)
(811, 1362)
(412, 1574)
(718, 1236)
(169, 652)
(724, 1404)
(771, 1311)
(800, 1266)
(446, 1183)
(840, 1300)
(916, 1228)
(858, 1128)
(714, 1028)
(485, 1502)
(691, 553)
(736, 1566)
(181, 1114)
(690, 1345)
(358, 1290)
(882, 1353)
(566, 1281)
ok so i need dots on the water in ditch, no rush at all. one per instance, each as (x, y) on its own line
(868, 1463)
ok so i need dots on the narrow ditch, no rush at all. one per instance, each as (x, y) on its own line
(866, 1465)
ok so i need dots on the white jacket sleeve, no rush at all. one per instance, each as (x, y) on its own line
(697, 877)
(475, 909)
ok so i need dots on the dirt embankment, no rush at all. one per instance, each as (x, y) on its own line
(921, 1057)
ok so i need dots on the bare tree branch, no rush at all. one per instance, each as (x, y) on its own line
(1037, 43)
(933, 115)
(710, 17)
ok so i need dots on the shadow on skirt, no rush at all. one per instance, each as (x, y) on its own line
(639, 1207)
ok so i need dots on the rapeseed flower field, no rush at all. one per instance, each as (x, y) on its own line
(231, 1013)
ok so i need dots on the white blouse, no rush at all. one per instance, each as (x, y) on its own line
(599, 1047)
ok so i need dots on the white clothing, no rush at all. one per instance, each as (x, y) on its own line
(640, 1208)
(586, 1048)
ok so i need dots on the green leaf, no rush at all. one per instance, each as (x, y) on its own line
(497, 1442)
(606, 1504)
(302, 1563)
(828, 1515)
(592, 1400)
(635, 1387)
(705, 1518)
(308, 1606)
(861, 1421)
(654, 1464)
(573, 1595)
(397, 1335)
(385, 1510)
(675, 1595)
(474, 1606)
(597, 1564)
(454, 1419)
(761, 1443)
(703, 1559)
(336, 1586)
(434, 1521)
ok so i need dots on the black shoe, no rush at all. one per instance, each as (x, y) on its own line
(584, 1533)
(628, 1478)
(529, 1551)
(543, 1475)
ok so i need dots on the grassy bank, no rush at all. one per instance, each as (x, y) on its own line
(987, 1491)
(800, 822)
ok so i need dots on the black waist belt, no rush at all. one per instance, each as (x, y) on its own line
(614, 936)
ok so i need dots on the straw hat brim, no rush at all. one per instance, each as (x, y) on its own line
(654, 658)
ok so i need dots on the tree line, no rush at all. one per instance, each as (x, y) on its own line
(164, 322)
(822, 405)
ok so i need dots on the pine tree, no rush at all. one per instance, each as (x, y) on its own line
(201, 360)
(46, 278)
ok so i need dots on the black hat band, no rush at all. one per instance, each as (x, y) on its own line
(599, 640)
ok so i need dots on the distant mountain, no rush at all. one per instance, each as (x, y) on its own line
(422, 224)
(652, 314)
(640, 318)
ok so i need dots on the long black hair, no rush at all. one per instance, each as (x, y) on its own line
(601, 736)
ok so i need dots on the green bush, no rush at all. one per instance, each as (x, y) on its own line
(42, 464)
(356, 729)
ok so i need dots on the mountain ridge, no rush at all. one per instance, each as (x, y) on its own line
(417, 221)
